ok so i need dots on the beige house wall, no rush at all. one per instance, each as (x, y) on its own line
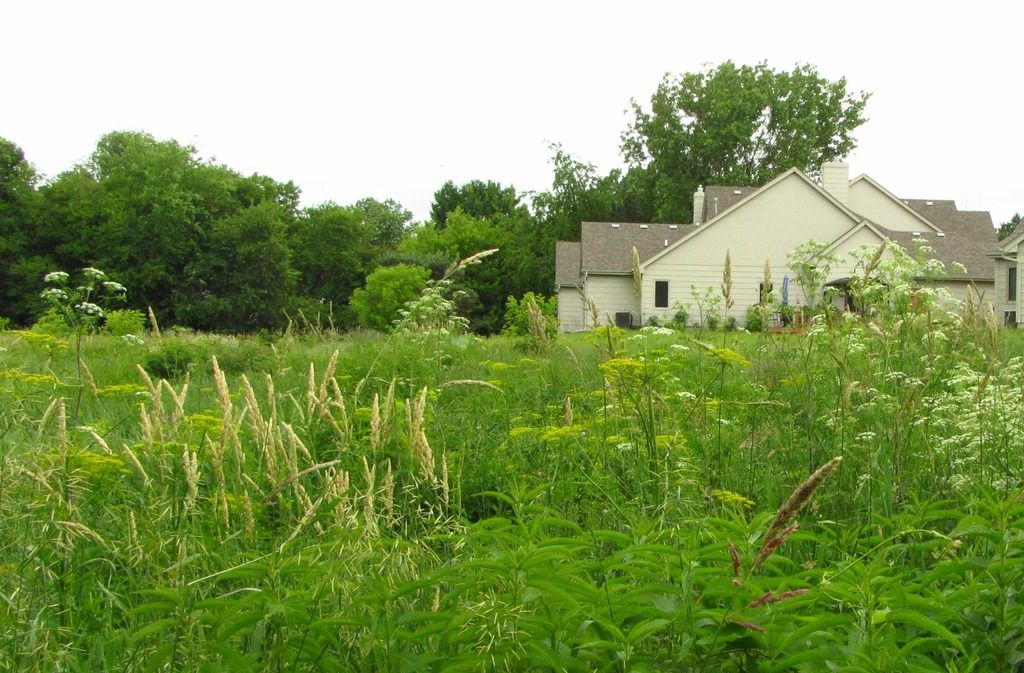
(1020, 295)
(572, 313)
(878, 207)
(613, 294)
(769, 226)
(999, 294)
(685, 281)
(983, 291)
(863, 237)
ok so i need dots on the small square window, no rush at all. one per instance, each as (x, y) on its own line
(661, 294)
(1011, 284)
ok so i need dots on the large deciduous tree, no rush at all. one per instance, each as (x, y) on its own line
(740, 125)
(241, 280)
(20, 281)
(476, 198)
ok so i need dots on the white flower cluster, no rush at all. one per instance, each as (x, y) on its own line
(94, 274)
(54, 294)
(115, 288)
(56, 277)
(133, 340)
(88, 308)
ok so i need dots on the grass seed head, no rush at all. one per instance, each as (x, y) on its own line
(774, 537)
(375, 424)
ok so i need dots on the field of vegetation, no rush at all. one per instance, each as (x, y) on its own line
(845, 499)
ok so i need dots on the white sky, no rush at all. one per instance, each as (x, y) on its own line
(390, 99)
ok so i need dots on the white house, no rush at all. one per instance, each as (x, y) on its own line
(1007, 296)
(756, 224)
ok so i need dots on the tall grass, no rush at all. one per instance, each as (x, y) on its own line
(605, 503)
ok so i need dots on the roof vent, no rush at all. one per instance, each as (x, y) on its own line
(929, 203)
(737, 192)
(666, 242)
(615, 226)
(916, 234)
(643, 226)
(940, 234)
(673, 226)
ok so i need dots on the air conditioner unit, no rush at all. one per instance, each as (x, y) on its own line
(624, 319)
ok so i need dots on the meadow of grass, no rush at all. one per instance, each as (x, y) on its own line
(613, 501)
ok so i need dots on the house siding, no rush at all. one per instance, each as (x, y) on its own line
(572, 313)
(867, 200)
(1020, 295)
(984, 291)
(614, 294)
(999, 295)
(791, 213)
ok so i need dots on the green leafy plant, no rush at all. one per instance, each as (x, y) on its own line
(122, 322)
(518, 311)
(386, 292)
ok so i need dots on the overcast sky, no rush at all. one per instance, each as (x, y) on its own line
(390, 99)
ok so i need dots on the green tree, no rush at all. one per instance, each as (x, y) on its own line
(242, 280)
(476, 197)
(484, 286)
(387, 220)
(149, 230)
(387, 290)
(332, 251)
(580, 193)
(1007, 228)
(739, 125)
(20, 280)
(146, 210)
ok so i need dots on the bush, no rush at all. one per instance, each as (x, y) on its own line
(755, 319)
(236, 356)
(51, 323)
(387, 290)
(680, 318)
(124, 321)
(171, 359)
(517, 314)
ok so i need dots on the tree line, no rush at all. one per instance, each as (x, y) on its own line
(209, 248)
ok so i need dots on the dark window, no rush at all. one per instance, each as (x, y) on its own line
(661, 294)
(1011, 284)
(1010, 318)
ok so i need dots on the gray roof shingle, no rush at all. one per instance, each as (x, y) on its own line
(969, 239)
(608, 247)
(719, 198)
(567, 263)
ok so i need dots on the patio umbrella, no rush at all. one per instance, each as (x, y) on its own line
(785, 290)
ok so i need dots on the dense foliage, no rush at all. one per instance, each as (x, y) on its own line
(737, 125)
(849, 499)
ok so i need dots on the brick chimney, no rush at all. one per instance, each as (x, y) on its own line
(835, 179)
(698, 205)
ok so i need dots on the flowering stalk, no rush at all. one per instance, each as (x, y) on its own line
(79, 309)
